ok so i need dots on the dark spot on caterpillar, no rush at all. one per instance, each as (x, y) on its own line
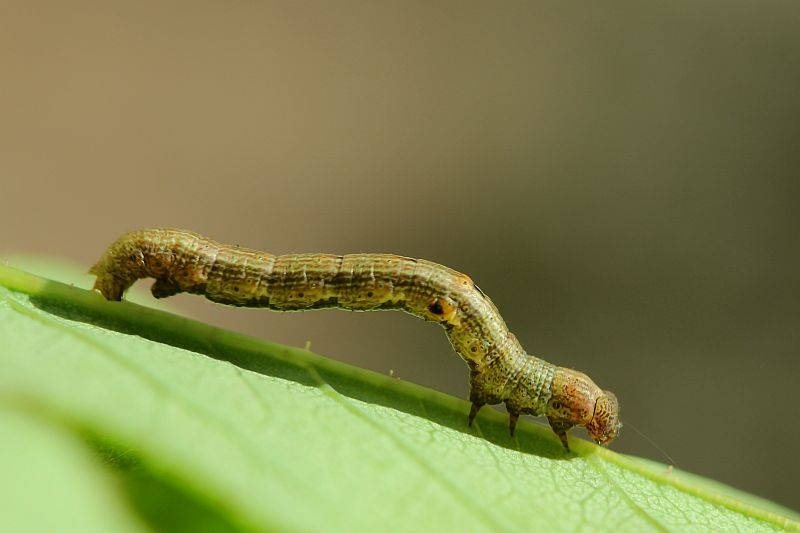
(369, 294)
(300, 295)
(133, 258)
(235, 288)
(436, 308)
(474, 349)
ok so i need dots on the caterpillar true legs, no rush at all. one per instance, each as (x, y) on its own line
(500, 370)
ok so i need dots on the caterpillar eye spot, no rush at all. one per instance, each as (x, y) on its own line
(436, 308)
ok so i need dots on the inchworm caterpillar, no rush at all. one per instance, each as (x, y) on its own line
(500, 370)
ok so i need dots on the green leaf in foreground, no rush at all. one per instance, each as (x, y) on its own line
(208, 430)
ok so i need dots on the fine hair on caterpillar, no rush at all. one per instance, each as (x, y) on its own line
(500, 370)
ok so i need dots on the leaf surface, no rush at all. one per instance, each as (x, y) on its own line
(198, 422)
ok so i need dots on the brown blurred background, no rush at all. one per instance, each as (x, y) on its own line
(622, 180)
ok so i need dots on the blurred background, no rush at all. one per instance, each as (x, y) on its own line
(622, 179)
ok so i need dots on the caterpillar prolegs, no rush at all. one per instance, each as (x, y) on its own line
(500, 370)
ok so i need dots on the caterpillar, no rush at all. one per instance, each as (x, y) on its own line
(500, 370)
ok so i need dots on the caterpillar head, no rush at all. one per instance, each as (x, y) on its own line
(605, 425)
(576, 401)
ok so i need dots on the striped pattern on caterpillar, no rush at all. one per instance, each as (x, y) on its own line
(500, 370)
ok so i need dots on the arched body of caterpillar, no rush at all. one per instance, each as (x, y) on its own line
(500, 370)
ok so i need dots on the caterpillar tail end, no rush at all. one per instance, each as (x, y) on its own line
(110, 287)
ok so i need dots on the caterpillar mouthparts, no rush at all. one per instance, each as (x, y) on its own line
(500, 370)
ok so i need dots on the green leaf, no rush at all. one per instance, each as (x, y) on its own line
(210, 430)
(38, 462)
